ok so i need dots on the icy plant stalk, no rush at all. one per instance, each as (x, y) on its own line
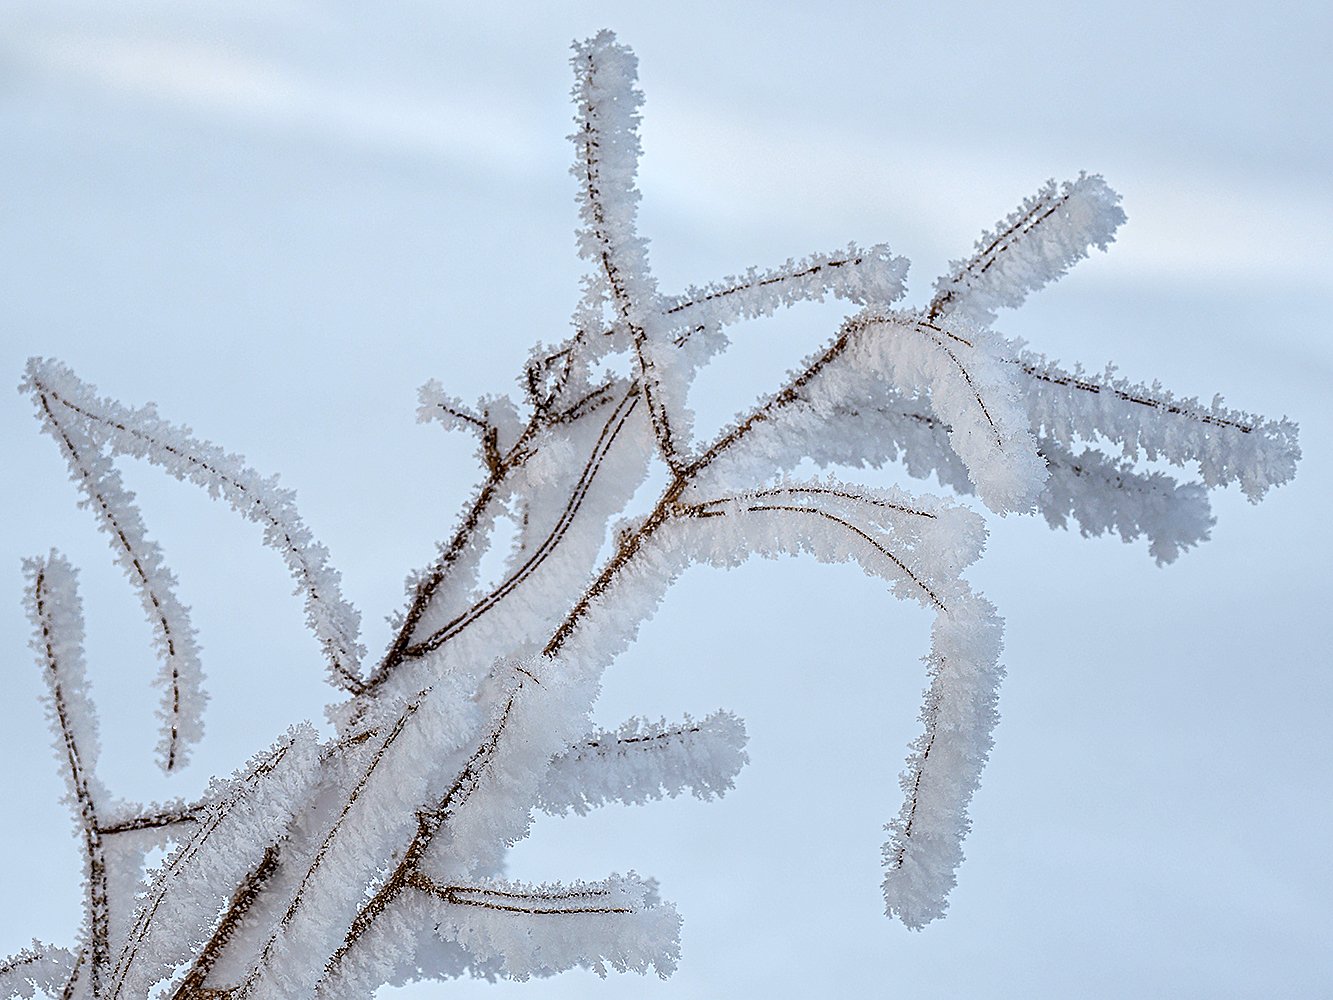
(327, 868)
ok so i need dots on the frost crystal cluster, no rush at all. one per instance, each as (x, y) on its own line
(327, 867)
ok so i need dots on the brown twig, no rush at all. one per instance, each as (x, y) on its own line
(99, 910)
(610, 431)
(192, 985)
(459, 895)
(982, 261)
(620, 296)
(772, 279)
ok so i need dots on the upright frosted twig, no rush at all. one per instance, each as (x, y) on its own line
(244, 817)
(608, 153)
(1035, 245)
(57, 617)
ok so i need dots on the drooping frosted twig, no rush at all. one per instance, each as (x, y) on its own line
(925, 844)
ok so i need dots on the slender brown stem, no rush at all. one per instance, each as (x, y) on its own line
(1175, 409)
(629, 546)
(192, 985)
(99, 909)
(765, 282)
(916, 787)
(462, 895)
(610, 432)
(624, 303)
(868, 539)
(985, 258)
(429, 822)
(208, 825)
(152, 821)
(797, 490)
(298, 899)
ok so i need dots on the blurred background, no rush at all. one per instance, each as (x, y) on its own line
(276, 219)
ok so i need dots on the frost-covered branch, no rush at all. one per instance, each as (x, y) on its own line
(538, 930)
(1039, 241)
(245, 817)
(642, 761)
(869, 276)
(925, 844)
(39, 967)
(141, 559)
(961, 370)
(1228, 446)
(608, 145)
(539, 552)
(325, 869)
(92, 429)
(57, 616)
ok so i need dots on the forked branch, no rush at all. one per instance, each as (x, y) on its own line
(322, 870)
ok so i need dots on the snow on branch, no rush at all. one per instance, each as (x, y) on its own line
(545, 710)
(1104, 495)
(870, 422)
(925, 845)
(246, 816)
(140, 557)
(91, 429)
(1228, 446)
(918, 545)
(1035, 245)
(1099, 493)
(608, 153)
(921, 554)
(607, 103)
(327, 870)
(463, 823)
(960, 369)
(39, 967)
(539, 930)
(56, 613)
(57, 616)
(869, 276)
(641, 761)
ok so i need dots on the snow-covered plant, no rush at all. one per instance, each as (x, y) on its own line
(326, 866)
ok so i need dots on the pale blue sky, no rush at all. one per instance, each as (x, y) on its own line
(278, 219)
